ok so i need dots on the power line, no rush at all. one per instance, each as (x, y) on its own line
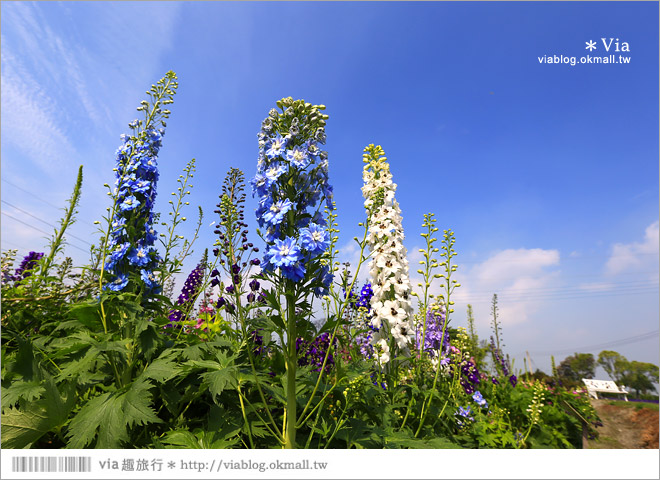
(558, 296)
(44, 221)
(24, 223)
(603, 287)
(613, 343)
(40, 230)
(525, 261)
(38, 198)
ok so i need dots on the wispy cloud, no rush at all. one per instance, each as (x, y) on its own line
(518, 276)
(68, 88)
(633, 256)
(30, 119)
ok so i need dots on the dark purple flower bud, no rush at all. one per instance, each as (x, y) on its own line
(215, 273)
(236, 279)
(250, 297)
(215, 282)
(255, 249)
(216, 251)
(235, 269)
(230, 289)
(221, 302)
(254, 285)
(513, 380)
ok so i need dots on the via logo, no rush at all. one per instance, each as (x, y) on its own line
(614, 42)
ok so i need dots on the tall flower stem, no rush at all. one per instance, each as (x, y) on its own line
(144, 137)
(340, 314)
(69, 218)
(291, 365)
(448, 253)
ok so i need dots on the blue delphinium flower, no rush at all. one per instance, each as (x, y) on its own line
(132, 234)
(276, 211)
(365, 297)
(513, 380)
(292, 176)
(285, 253)
(139, 256)
(479, 399)
(315, 239)
(500, 362)
(276, 147)
(298, 156)
(470, 377)
(120, 281)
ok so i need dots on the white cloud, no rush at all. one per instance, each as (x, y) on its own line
(636, 255)
(30, 119)
(519, 277)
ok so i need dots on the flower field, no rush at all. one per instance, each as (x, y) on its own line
(271, 342)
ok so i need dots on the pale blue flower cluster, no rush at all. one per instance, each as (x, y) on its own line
(132, 234)
(291, 182)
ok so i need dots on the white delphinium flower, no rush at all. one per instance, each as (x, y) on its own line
(391, 305)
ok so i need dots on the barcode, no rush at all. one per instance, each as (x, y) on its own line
(51, 464)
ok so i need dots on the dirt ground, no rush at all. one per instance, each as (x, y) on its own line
(625, 427)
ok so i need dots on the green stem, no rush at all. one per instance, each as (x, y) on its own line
(247, 424)
(291, 365)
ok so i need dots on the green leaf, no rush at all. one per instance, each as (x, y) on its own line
(77, 367)
(21, 390)
(137, 404)
(161, 369)
(180, 439)
(87, 314)
(111, 414)
(21, 428)
(218, 380)
(101, 410)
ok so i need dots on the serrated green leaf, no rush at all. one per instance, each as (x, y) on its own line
(137, 404)
(111, 414)
(78, 367)
(218, 380)
(161, 370)
(180, 439)
(21, 390)
(21, 428)
(84, 425)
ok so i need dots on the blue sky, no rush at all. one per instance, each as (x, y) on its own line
(547, 173)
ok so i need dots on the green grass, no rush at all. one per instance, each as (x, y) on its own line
(635, 405)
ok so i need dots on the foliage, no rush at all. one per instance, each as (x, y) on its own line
(613, 363)
(640, 376)
(576, 367)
